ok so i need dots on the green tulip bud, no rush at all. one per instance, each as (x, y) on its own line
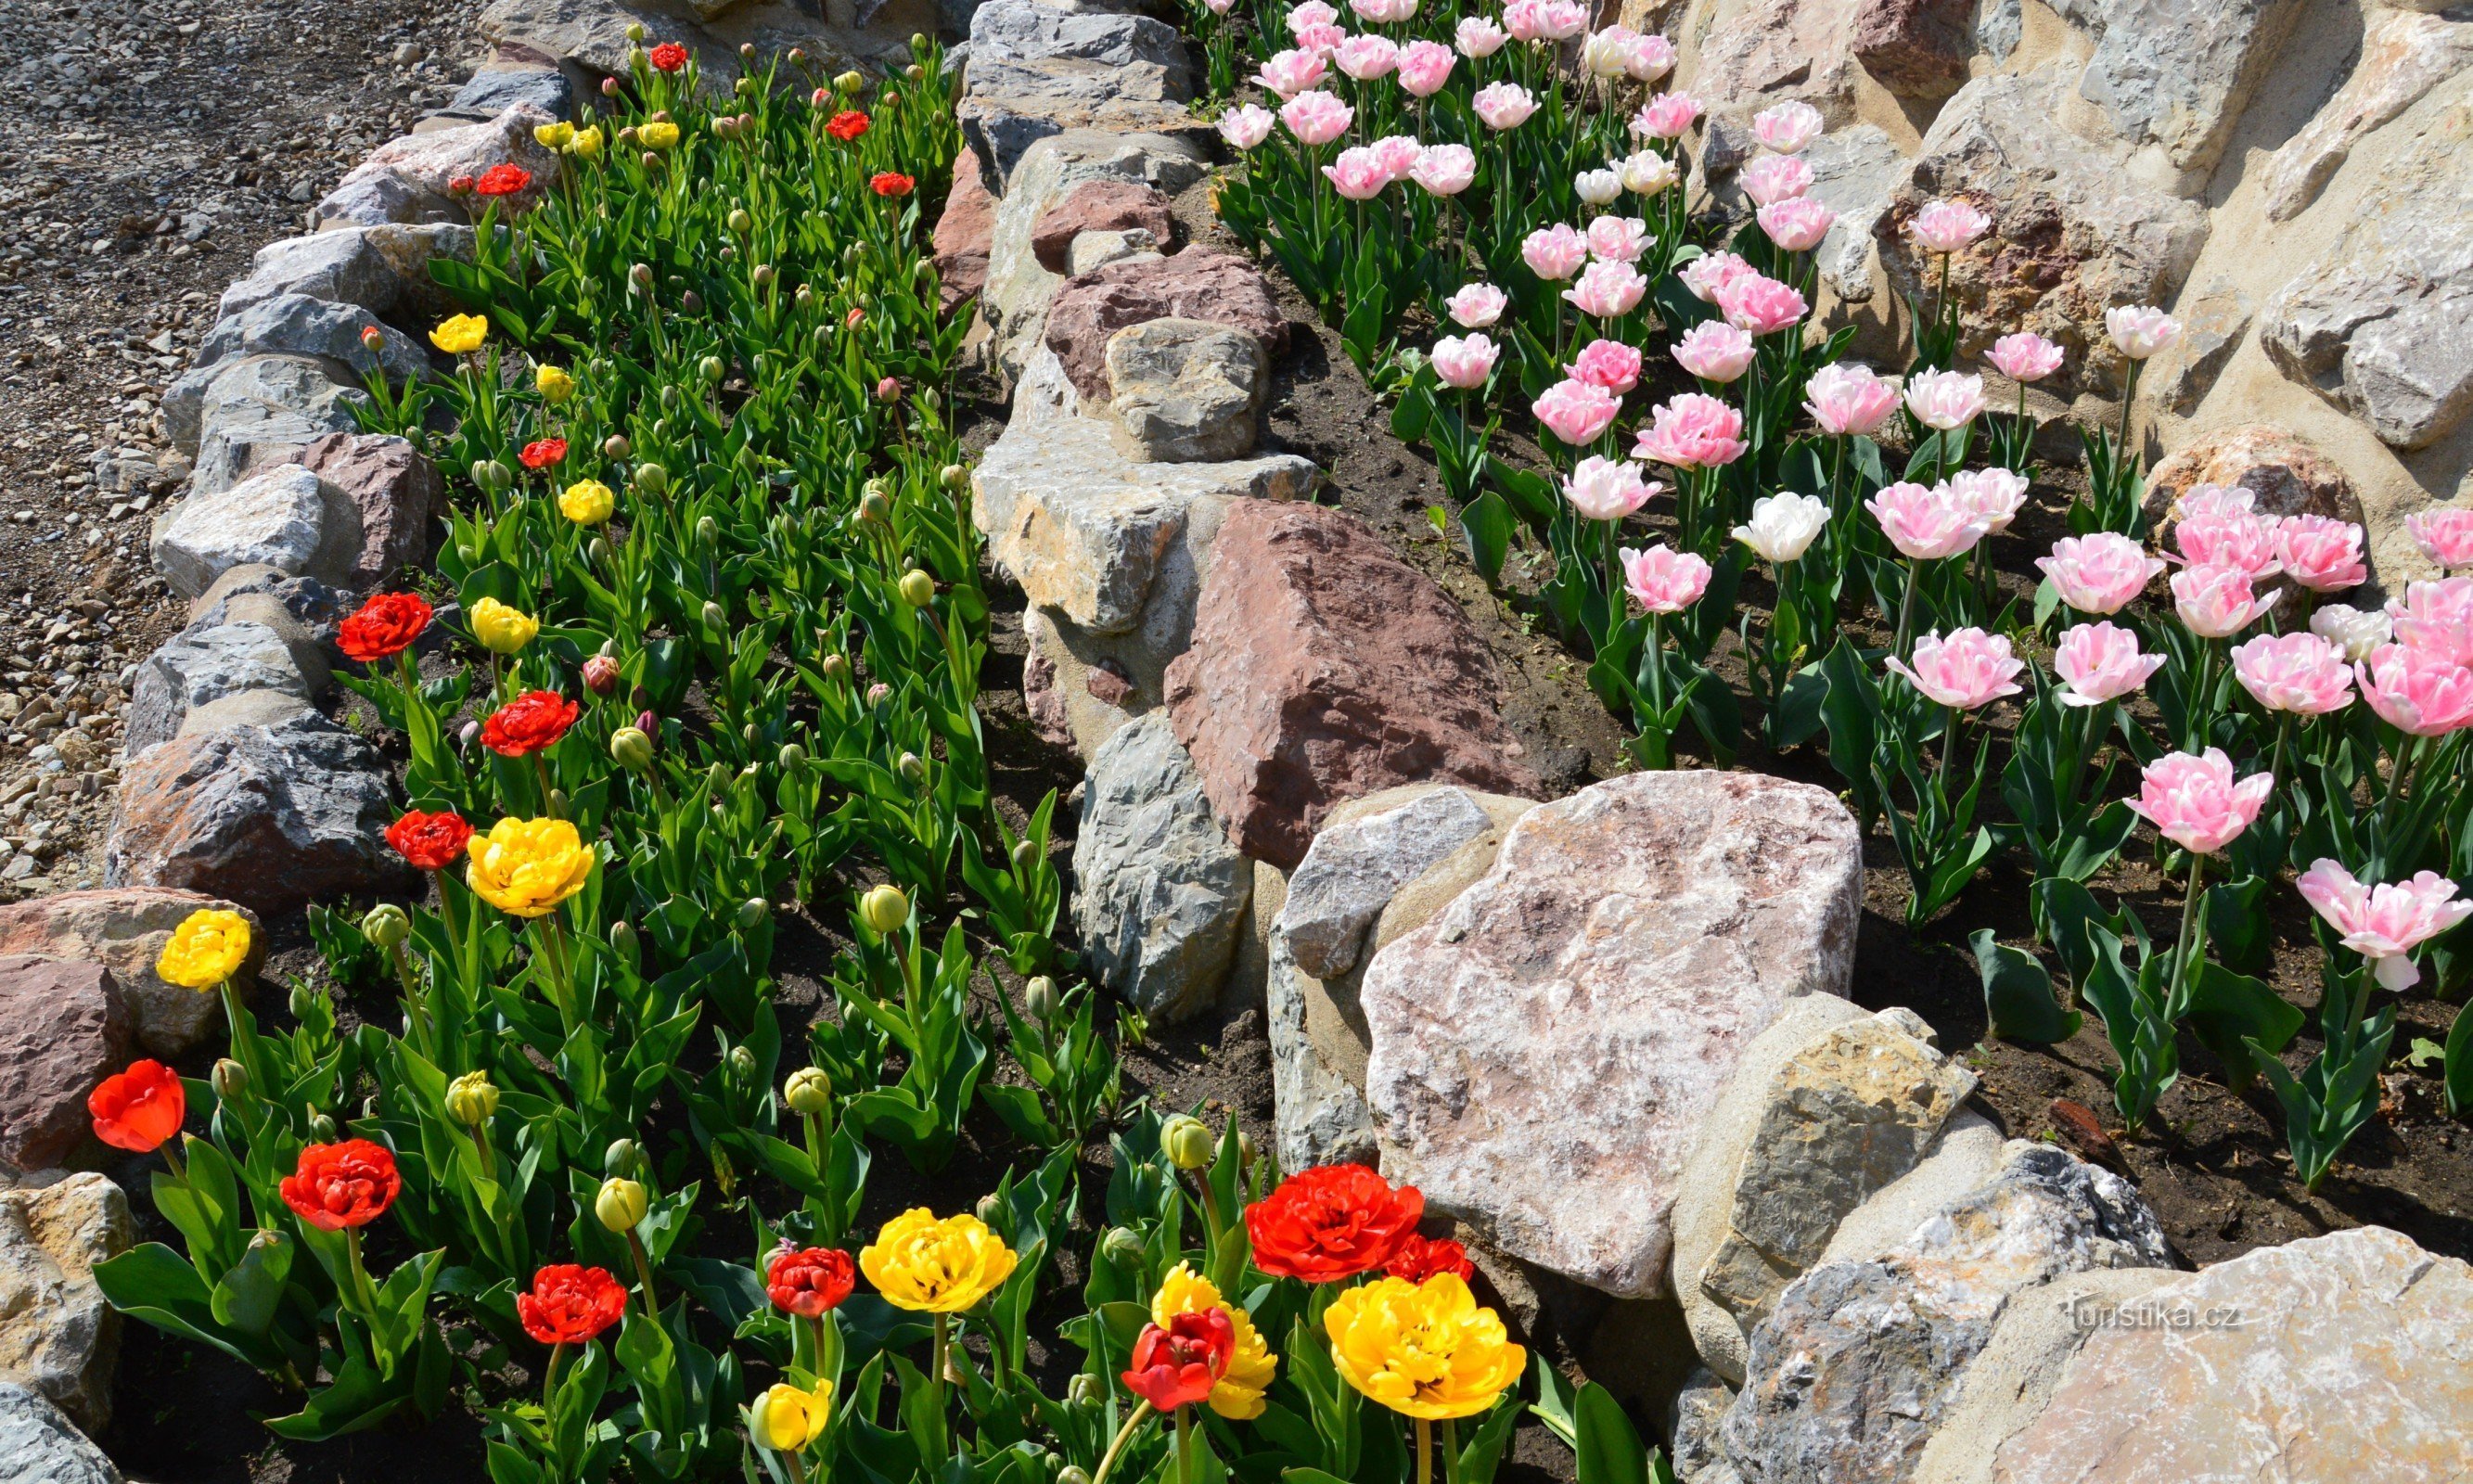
(621, 1204)
(672, 399)
(742, 1063)
(954, 478)
(652, 479)
(621, 1157)
(691, 303)
(632, 749)
(712, 369)
(992, 1212)
(321, 1129)
(911, 768)
(793, 755)
(1025, 854)
(850, 255)
(231, 1079)
(917, 588)
(873, 506)
(303, 1000)
(635, 31)
(740, 221)
(641, 277)
(715, 616)
(915, 73)
(1185, 1143)
(821, 337)
(1121, 1247)
(558, 803)
(599, 551)
(752, 914)
(622, 937)
(493, 476)
(707, 532)
(386, 925)
(1246, 1150)
(471, 1099)
(615, 447)
(1039, 997)
(761, 276)
(834, 667)
(809, 1092)
(884, 909)
(849, 82)
(1083, 1390)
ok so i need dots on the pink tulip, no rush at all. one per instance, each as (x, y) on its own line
(1797, 225)
(1789, 127)
(1554, 253)
(1464, 360)
(1948, 226)
(1652, 57)
(1760, 305)
(1384, 13)
(1691, 431)
(1291, 73)
(1968, 669)
(2385, 923)
(2321, 555)
(1927, 525)
(1663, 579)
(1312, 13)
(1945, 399)
(2445, 536)
(1607, 291)
(1715, 351)
(1707, 277)
(1316, 118)
(1476, 305)
(2231, 538)
(2416, 691)
(1775, 178)
(1524, 20)
(2213, 502)
(1445, 169)
(1619, 239)
(1246, 125)
(2100, 574)
(1358, 174)
(1476, 37)
(2140, 331)
(2194, 801)
(2216, 603)
(1425, 67)
(1848, 400)
(1609, 364)
(1504, 104)
(1997, 494)
(1607, 489)
(1397, 155)
(2300, 673)
(1667, 116)
(1367, 58)
(1560, 20)
(2437, 618)
(1321, 40)
(2024, 356)
(2099, 663)
(1576, 411)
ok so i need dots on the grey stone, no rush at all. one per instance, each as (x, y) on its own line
(2404, 56)
(1038, 70)
(1185, 390)
(1999, 26)
(292, 324)
(495, 90)
(383, 268)
(286, 518)
(262, 410)
(57, 1335)
(1699, 1407)
(2212, 323)
(1089, 251)
(1353, 870)
(408, 178)
(202, 664)
(1966, 1155)
(1159, 892)
(1853, 170)
(1321, 1116)
(2177, 73)
(38, 1445)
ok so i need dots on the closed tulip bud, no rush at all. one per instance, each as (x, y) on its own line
(599, 551)
(472, 1099)
(884, 909)
(1185, 1143)
(924, 270)
(798, 55)
(911, 768)
(303, 1000)
(821, 337)
(746, 52)
(929, 399)
(725, 129)
(888, 388)
(1069, 1474)
(915, 73)
(917, 588)
(631, 749)
(793, 757)
(1120, 1247)
(1025, 854)
(878, 693)
(492, 475)
(386, 925)
(641, 277)
(712, 369)
(621, 1158)
(849, 82)
(872, 503)
(672, 399)
(739, 220)
(1039, 997)
(652, 479)
(622, 937)
(373, 340)
(991, 1212)
(742, 1063)
(620, 1205)
(954, 478)
(808, 1092)
(1082, 1391)
(558, 803)
(715, 616)
(761, 276)
(850, 255)
(691, 303)
(608, 87)
(752, 914)
(652, 161)
(615, 447)
(1245, 1151)
(635, 31)
(229, 1079)
(601, 675)
(834, 667)
(470, 733)
(321, 1129)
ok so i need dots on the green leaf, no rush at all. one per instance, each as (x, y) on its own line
(1487, 523)
(2231, 1013)
(2018, 994)
(1609, 1451)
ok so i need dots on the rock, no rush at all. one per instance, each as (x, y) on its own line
(406, 179)
(124, 929)
(286, 518)
(1158, 892)
(1853, 170)
(1766, 53)
(1545, 1051)
(63, 1028)
(1354, 867)
(305, 610)
(2370, 323)
(1106, 205)
(261, 411)
(2346, 1356)
(1039, 70)
(38, 1445)
(204, 664)
(1860, 1362)
(506, 82)
(2177, 73)
(294, 325)
(2403, 57)
(58, 1336)
(1699, 1407)
(271, 817)
(1108, 684)
(2284, 471)
(396, 493)
(1199, 283)
(1185, 390)
(1914, 48)
(964, 232)
(1321, 1114)
(590, 35)
(2212, 323)
(1040, 695)
(1092, 252)
(1999, 27)
(1967, 1154)
(2073, 233)
(383, 268)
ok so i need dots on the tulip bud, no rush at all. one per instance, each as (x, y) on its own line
(373, 340)
(712, 370)
(652, 479)
(621, 1158)
(303, 1000)
(888, 388)
(620, 1205)
(601, 675)
(1024, 854)
(691, 303)
(622, 938)
(635, 31)
(761, 276)
(470, 735)
(798, 55)
(598, 549)
(821, 337)
(849, 82)
(808, 1092)
(725, 129)
(835, 667)
(321, 1129)
(1185, 1143)
(492, 475)
(929, 399)
(954, 478)
(471, 1099)
(632, 749)
(641, 277)
(608, 87)
(872, 503)
(850, 257)
(746, 50)
(752, 914)
(991, 1211)
(1120, 1246)
(652, 161)
(884, 909)
(878, 693)
(1082, 1391)
(616, 447)
(231, 1079)
(645, 721)
(739, 220)
(742, 1063)
(672, 399)
(1245, 1151)
(707, 532)
(1039, 997)
(386, 925)
(917, 588)
(714, 616)
(915, 73)
(911, 768)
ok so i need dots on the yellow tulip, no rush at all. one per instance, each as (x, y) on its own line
(553, 382)
(587, 502)
(554, 136)
(620, 1204)
(500, 627)
(658, 134)
(788, 1418)
(1251, 1365)
(525, 868)
(461, 335)
(937, 1267)
(587, 143)
(1424, 1349)
(207, 948)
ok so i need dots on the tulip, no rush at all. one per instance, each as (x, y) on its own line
(1667, 116)
(1618, 239)
(587, 502)
(1357, 175)
(2299, 673)
(1554, 253)
(2437, 618)
(1797, 225)
(1185, 1142)
(1715, 351)
(2100, 663)
(1927, 524)
(2215, 602)
(2195, 802)
(2445, 536)
(940, 1267)
(620, 1205)
(1775, 178)
(808, 1092)
(1647, 173)
(2098, 574)
(1291, 74)
(1607, 489)
(1445, 169)
(1246, 125)
(1316, 118)
(2139, 332)
(1464, 361)
(206, 951)
(2418, 693)
(1607, 54)
(1560, 20)
(2385, 923)
(1663, 579)
(1476, 305)
(1366, 58)
(2354, 631)
(1609, 364)
(527, 868)
(1598, 187)
(916, 588)
(1607, 291)
(2321, 554)
(1424, 1349)
(2219, 533)
(1707, 277)
(631, 747)
(1760, 304)
(1503, 106)
(787, 1419)
(1425, 67)
(1692, 431)
(1968, 669)
(1789, 127)
(1477, 38)
(1946, 227)
(1576, 411)
(884, 909)
(1846, 400)
(1652, 57)
(2025, 357)
(1784, 526)
(1945, 399)
(1312, 13)
(472, 1100)
(1995, 494)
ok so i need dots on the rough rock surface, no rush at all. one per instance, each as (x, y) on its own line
(202, 664)
(261, 411)
(1766, 53)
(293, 325)
(395, 488)
(405, 179)
(1185, 390)
(1321, 1116)
(124, 929)
(1914, 48)
(1545, 1050)
(2287, 475)
(1159, 893)
(63, 1027)
(2177, 73)
(964, 232)
(1199, 283)
(1355, 869)
(57, 1333)
(2404, 56)
(1102, 205)
(383, 268)
(286, 518)
(38, 1445)
(269, 816)
(1853, 170)
(1324, 668)
(1039, 70)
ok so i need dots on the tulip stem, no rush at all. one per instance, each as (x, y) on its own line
(244, 1040)
(1185, 1444)
(363, 1291)
(643, 1271)
(1907, 609)
(172, 1156)
(1451, 1451)
(2182, 977)
(549, 1374)
(1425, 1451)
(1124, 1434)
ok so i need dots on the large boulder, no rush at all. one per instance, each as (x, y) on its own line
(1914, 48)
(124, 929)
(1039, 70)
(1324, 668)
(965, 230)
(57, 1335)
(2175, 75)
(1210, 284)
(1106, 205)
(286, 518)
(1185, 390)
(204, 664)
(396, 491)
(294, 325)
(2404, 56)
(1545, 1050)
(1159, 895)
(383, 268)
(63, 1028)
(409, 178)
(261, 411)
(1853, 172)
(38, 1445)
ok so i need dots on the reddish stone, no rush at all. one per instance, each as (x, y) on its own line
(124, 929)
(63, 1028)
(1915, 48)
(1198, 283)
(1044, 702)
(2287, 475)
(395, 488)
(1324, 668)
(964, 234)
(1102, 205)
(1109, 683)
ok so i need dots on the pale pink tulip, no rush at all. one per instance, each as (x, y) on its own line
(2300, 673)
(1291, 73)
(2139, 331)
(1789, 127)
(1848, 400)
(1707, 277)
(1246, 125)
(1927, 525)
(1667, 116)
(1775, 178)
(1425, 67)
(2213, 502)
(1619, 239)
(2216, 603)
(2321, 554)
(1691, 431)
(2445, 536)
(1784, 525)
(2356, 632)
(1606, 291)
(1554, 253)
(1464, 360)
(1945, 399)
(2385, 923)
(1384, 13)
(1321, 40)
(2195, 802)
(1504, 104)
(2437, 617)
(1445, 169)
(1797, 225)
(2100, 574)
(1316, 118)
(1312, 13)
(1397, 155)
(2099, 663)
(1598, 187)
(1946, 226)
(1968, 669)
(1576, 411)
(1524, 20)
(2230, 538)
(1760, 305)
(1366, 58)
(1607, 489)
(2024, 356)
(1358, 174)
(1645, 173)
(1560, 20)
(2417, 692)
(1476, 37)
(1652, 57)
(1663, 579)
(1997, 494)
(1715, 351)
(1609, 364)
(1476, 305)
(1606, 52)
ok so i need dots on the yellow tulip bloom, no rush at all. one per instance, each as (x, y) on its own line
(555, 137)
(587, 502)
(525, 868)
(787, 1419)
(937, 1267)
(207, 948)
(658, 134)
(1424, 1349)
(1251, 1365)
(553, 383)
(461, 335)
(502, 627)
(587, 143)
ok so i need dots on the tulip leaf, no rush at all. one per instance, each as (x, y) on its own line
(1486, 522)
(2018, 994)
(2233, 1015)
(1609, 1447)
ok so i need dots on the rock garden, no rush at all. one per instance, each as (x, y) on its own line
(1054, 741)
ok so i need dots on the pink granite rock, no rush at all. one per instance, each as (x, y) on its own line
(1915, 48)
(395, 488)
(63, 1028)
(1198, 283)
(963, 235)
(1101, 205)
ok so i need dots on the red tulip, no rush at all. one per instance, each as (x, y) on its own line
(846, 124)
(504, 179)
(890, 183)
(385, 627)
(1332, 1222)
(530, 723)
(809, 1282)
(139, 1109)
(1178, 1366)
(669, 57)
(1419, 1258)
(340, 1185)
(569, 1305)
(431, 842)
